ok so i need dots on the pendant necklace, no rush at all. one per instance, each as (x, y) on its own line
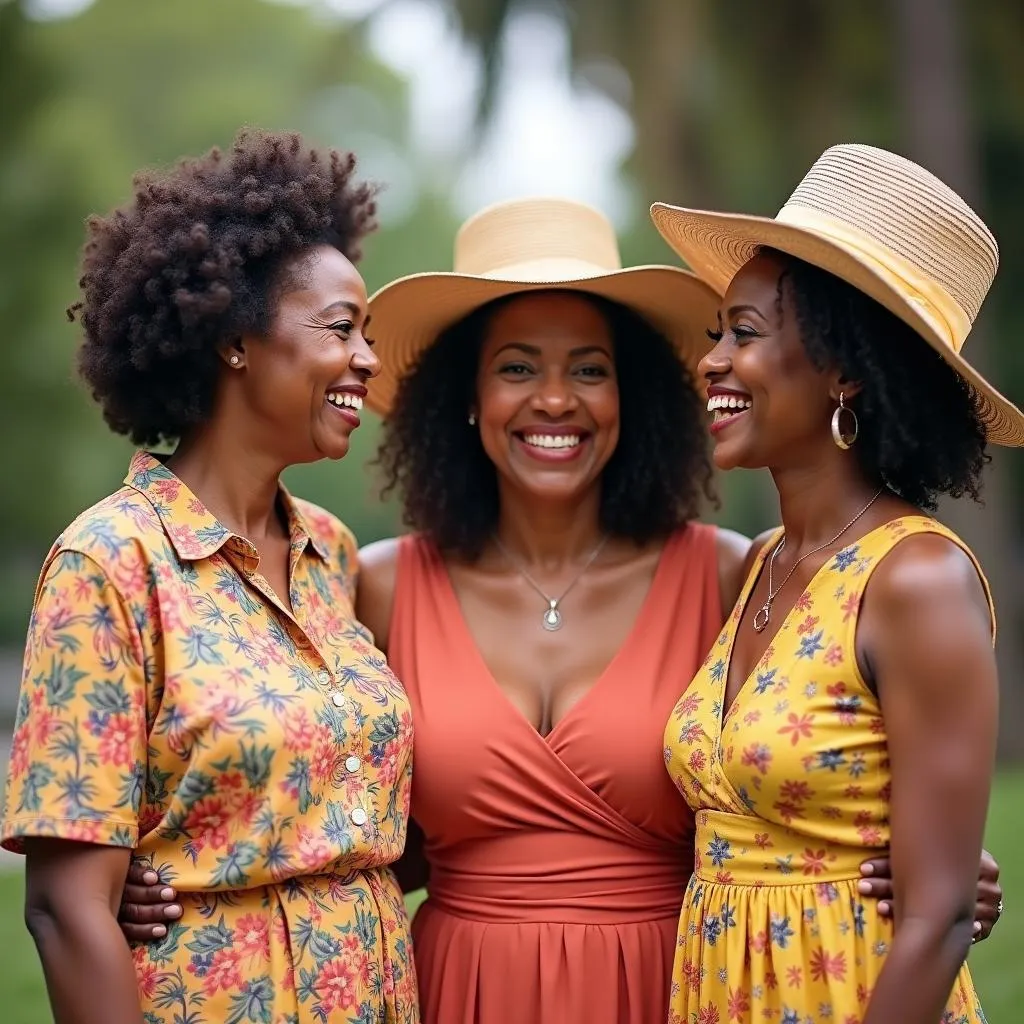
(764, 612)
(552, 618)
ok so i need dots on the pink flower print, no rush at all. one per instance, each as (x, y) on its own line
(796, 790)
(688, 705)
(814, 861)
(758, 756)
(751, 717)
(794, 977)
(834, 654)
(207, 822)
(807, 625)
(759, 943)
(117, 735)
(298, 729)
(708, 1015)
(224, 972)
(824, 965)
(798, 727)
(850, 605)
(252, 937)
(739, 1004)
(697, 761)
(803, 602)
(762, 841)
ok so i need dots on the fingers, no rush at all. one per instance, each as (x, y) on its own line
(149, 895)
(877, 867)
(876, 888)
(989, 869)
(141, 873)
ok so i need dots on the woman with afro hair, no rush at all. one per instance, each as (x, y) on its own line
(195, 683)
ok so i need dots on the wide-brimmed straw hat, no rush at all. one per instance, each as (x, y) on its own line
(884, 225)
(530, 245)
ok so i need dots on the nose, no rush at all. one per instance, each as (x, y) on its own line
(555, 394)
(715, 363)
(362, 358)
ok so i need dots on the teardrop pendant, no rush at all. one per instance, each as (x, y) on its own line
(552, 617)
(762, 616)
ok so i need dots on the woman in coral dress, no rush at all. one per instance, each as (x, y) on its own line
(849, 704)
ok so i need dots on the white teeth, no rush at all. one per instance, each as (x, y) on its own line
(716, 402)
(343, 398)
(552, 440)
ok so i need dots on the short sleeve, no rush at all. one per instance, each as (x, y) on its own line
(78, 756)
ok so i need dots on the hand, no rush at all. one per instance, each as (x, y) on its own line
(146, 904)
(877, 884)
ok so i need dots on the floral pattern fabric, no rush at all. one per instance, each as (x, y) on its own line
(791, 794)
(257, 753)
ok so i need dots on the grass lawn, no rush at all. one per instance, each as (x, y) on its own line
(996, 964)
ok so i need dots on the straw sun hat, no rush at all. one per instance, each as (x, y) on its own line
(530, 245)
(884, 225)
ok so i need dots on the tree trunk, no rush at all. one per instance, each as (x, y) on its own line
(940, 134)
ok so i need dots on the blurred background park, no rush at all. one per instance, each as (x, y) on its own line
(453, 104)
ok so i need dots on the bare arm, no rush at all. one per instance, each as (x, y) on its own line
(71, 899)
(733, 550)
(375, 596)
(925, 633)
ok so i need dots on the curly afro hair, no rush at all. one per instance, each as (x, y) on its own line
(920, 443)
(653, 483)
(195, 260)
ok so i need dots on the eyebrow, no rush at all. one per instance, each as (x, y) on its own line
(533, 350)
(736, 310)
(341, 305)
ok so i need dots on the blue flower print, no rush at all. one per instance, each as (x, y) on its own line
(811, 644)
(845, 558)
(712, 929)
(719, 851)
(765, 680)
(781, 932)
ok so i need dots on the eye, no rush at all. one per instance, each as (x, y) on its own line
(516, 369)
(594, 370)
(343, 327)
(743, 333)
(715, 336)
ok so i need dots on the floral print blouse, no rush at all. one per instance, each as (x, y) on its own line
(258, 755)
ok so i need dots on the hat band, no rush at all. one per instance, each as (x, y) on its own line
(546, 270)
(930, 300)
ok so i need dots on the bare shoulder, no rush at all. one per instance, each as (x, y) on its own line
(375, 596)
(926, 572)
(732, 549)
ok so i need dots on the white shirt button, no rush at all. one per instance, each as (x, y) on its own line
(324, 676)
(358, 816)
(352, 763)
(338, 700)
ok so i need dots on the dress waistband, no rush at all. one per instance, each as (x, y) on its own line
(582, 897)
(738, 849)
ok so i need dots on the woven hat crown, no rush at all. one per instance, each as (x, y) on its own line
(520, 232)
(909, 211)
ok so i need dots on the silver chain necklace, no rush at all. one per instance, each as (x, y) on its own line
(763, 614)
(552, 618)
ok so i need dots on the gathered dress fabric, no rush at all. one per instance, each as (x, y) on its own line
(557, 863)
(257, 754)
(791, 794)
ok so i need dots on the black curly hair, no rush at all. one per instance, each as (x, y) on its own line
(195, 260)
(653, 483)
(920, 443)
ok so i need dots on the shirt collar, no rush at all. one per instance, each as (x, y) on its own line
(193, 530)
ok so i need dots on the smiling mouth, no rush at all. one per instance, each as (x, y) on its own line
(345, 400)
(727, 407)
(551, 440)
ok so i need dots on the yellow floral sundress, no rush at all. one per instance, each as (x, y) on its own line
(791, 793)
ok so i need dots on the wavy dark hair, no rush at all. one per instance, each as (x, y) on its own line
(653, 483)
(920, 442)
(195, 260)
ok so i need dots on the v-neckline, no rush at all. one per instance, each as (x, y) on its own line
(467, 635)
(744, 600)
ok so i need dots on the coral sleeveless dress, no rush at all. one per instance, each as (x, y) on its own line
(791, 795)
(558, 863)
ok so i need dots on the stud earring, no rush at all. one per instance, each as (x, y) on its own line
(844, 438)
(234, 360)
(472, 419)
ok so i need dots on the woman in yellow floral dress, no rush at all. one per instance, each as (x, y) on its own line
(849, 704)
(195, 683)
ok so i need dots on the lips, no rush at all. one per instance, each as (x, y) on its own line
(726, 406)
(347, 401)
(551, 444)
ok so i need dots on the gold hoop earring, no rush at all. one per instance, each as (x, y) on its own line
(844, 438)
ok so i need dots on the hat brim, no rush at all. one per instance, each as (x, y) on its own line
(409, 314)
(717, 245)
